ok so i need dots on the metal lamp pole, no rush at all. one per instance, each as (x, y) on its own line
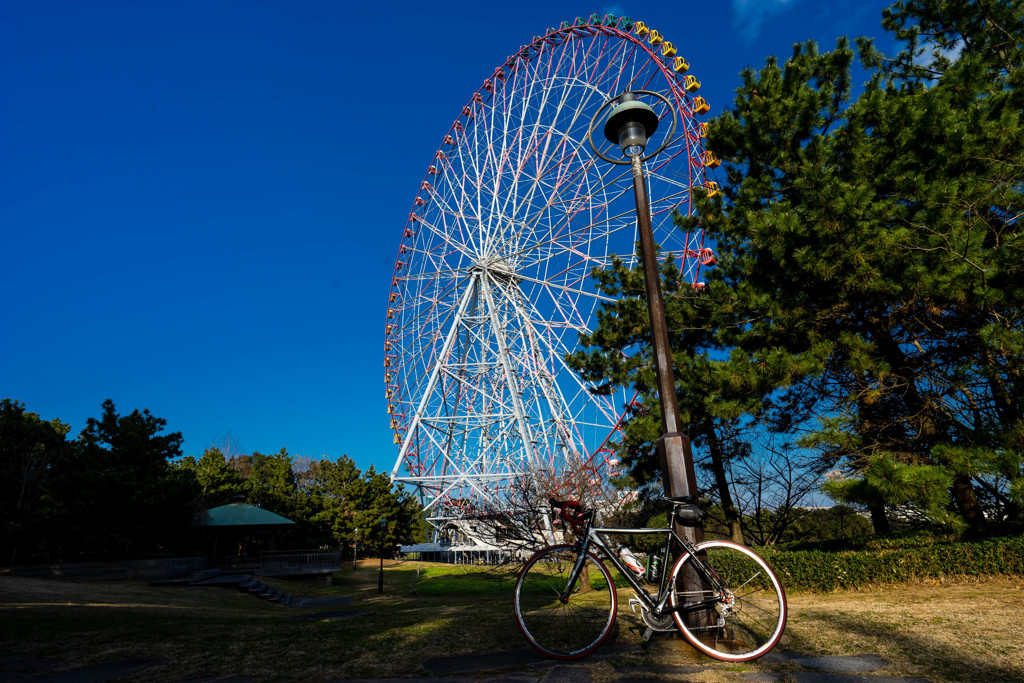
(380, 575)
(630, 125)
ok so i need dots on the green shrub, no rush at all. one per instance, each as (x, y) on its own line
(894, 561)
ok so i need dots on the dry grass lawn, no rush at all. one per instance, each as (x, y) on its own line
(945, 633)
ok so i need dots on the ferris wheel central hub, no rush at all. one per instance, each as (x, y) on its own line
(498, 268)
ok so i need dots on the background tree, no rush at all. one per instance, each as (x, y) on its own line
(115, 493)
(122, 490)
(219, 484)
(376, 499)
(329, 488)
(875, 242)
(28, 448)
(268, 481)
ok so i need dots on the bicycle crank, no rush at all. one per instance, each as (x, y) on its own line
(662, 623)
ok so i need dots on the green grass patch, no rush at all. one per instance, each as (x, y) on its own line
(463, 579)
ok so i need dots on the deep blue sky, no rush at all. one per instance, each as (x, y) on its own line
(201, 202)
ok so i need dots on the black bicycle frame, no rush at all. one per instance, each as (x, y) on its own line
(656, 605)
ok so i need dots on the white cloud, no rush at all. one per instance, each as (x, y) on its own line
(748, 15)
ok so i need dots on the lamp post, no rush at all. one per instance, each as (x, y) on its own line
(380, 574)
(355, 549)
(630, 125)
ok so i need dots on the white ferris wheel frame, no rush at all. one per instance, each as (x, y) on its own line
(491, 287)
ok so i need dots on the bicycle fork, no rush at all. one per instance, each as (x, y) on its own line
(577, 568)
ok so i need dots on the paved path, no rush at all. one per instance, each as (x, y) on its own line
(676, 662)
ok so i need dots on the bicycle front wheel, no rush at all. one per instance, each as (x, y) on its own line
(749, 612)
(563, 623)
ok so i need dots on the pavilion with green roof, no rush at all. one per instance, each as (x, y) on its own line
(237, 525)
(241, 515)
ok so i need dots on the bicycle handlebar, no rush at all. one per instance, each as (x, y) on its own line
(571, 511)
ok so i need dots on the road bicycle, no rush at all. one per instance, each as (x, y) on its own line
(734, 607)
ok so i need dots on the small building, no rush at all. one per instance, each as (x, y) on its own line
(243, 537)
(237, 526)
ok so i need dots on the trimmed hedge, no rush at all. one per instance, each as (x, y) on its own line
(825, 571)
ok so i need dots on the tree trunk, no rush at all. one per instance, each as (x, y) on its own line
(963, 494)
(879, 520)
(931, 427)
(732, 515)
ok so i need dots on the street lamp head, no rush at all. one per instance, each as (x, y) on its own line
(630, 125)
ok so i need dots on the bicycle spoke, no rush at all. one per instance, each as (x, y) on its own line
(569, 629)
(749, 613)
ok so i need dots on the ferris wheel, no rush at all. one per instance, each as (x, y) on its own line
(492, 283)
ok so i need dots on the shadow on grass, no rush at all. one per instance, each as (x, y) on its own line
(235, 635)
(219, 632)
(929, 655)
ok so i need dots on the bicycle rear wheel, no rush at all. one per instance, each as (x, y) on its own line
(749, 613)
(569, 627)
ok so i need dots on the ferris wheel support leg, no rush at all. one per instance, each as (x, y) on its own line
(517, 406)
(452, 334)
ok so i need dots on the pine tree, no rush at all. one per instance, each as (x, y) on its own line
(881, 237)
(870, 283)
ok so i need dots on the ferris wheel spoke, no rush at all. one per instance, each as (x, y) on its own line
(607, 184)
(565, 288)
(557, 353)
(529, 316)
